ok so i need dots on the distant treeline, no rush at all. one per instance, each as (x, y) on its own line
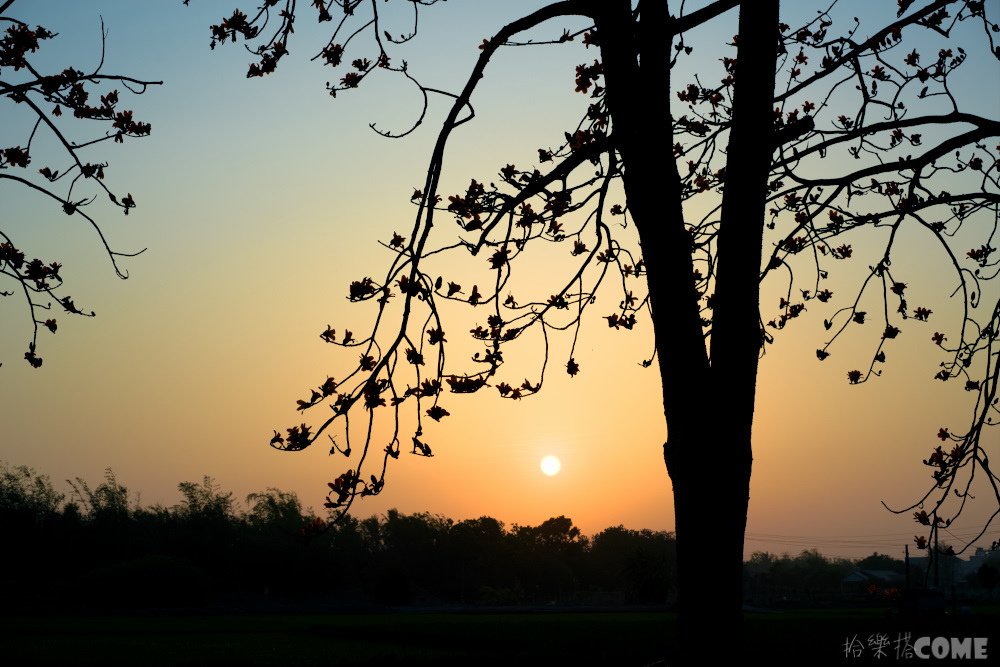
(96, 548)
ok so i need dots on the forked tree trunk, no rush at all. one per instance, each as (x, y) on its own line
(708, 401)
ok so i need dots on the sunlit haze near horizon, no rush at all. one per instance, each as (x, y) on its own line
(261, 200)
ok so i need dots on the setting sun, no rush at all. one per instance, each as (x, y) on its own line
(551, 465)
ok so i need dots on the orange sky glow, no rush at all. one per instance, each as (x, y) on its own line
(260, 201)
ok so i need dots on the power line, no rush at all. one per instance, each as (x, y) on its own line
(887, 541)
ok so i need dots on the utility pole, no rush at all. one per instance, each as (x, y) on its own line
(937, 559)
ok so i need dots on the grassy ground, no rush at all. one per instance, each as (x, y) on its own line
(370, 639)
(406, 638)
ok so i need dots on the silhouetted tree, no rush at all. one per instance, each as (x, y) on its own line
(107, 502)
(725, 185)
(25, 492)
(206, 545)
(29, 509)
(643, 559)
(44, 103)
(810, 577)
(408, 544)
(550, 555)
(480, 555)
(274, 507)
(988, 576)
(819, 574)
(879, 561)
(205, 501)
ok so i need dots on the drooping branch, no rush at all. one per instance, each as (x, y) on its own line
(835, 95)
(27, 89)
(950, 186)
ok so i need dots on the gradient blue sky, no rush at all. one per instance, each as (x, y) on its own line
(260, 200)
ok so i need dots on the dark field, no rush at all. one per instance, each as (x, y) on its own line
(474, 638)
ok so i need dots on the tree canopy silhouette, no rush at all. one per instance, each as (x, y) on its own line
(683, 193)
(56, 113)
(208, 545)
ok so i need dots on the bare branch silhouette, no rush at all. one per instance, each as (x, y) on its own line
(688, 197)
(50, 100)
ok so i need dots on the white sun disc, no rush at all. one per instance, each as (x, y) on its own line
(551, 465)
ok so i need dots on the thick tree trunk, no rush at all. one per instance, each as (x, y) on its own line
(708, 402)
(711, 482)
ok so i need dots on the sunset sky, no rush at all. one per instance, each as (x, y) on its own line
(261, 200)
